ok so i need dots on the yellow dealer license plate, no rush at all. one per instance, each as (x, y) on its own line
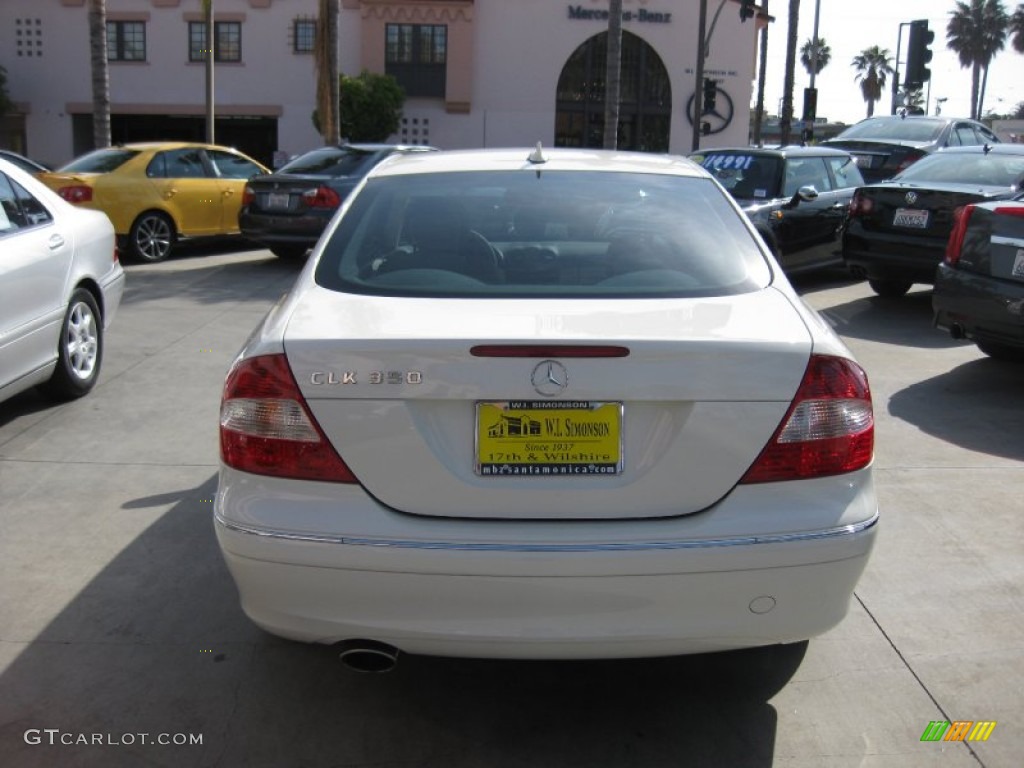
(548, 438)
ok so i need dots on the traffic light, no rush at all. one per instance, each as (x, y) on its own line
(918, 55)
(710, 94)
(747, 9)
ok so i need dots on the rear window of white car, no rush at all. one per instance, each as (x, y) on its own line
(540, 234)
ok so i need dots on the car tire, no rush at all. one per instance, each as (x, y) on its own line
(289, 251)
(890, 289)
(151, 237)
(79, 349)
(1001, 351)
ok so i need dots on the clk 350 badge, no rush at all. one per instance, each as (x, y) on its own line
(320, 378)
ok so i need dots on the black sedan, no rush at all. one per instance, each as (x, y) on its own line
(979, 287)
(889, 144)
(897, 230)
(796, 197)
(287, 210)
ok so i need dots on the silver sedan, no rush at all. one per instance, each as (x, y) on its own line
(60, 286)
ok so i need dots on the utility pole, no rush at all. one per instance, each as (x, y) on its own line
(698, 89)
(811, 97)
(208, 21)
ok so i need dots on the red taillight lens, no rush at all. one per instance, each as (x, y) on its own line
(908, 161)
(828, 430)
(955, 244)
(1010, 210)
(860, 205)
(248, 195)
(76, 194)
(321, 197)
(266, 428)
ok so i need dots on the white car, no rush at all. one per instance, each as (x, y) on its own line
(60, 286)
(549, 404)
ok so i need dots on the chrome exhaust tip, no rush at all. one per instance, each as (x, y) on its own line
(367, 655)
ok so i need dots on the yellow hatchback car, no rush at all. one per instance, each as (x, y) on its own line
(159, 193)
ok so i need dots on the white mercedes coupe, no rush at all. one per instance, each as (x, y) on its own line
(544, 404)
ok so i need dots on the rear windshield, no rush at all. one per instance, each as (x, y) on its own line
(542, 234)
(99, 161)
(988, 169)
(900, 130)
(745, 175)
(331, 161)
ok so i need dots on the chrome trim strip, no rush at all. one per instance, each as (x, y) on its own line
(1002, 240)
(739, 541)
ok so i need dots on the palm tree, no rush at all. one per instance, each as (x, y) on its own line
(913, 100)
(613, 75)
(100, 73)
(1016, 29)
(328, 96)
(807, 51)
(976, 33)
(786, 124)
(873, 66)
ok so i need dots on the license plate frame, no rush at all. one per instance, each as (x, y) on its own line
(544, 438)
(911, 218)
(278, 201)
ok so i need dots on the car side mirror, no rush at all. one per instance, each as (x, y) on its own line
(807, 194)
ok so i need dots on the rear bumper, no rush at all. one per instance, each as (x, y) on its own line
(283, 230)
(980, 307)
(557, 590)
(898, 259)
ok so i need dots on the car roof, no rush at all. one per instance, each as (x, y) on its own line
(794, 150)
(143, 146)
(556, 159)
(378, 147)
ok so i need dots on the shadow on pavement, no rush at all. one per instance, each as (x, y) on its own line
(156, 644)
(994, 421)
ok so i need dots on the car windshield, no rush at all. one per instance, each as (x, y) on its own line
(100, 161)
(745, 175)
(900, 130)
(989, 169)
(542, 235)
(330, 161)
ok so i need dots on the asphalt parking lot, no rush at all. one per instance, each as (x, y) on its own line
(120, 628)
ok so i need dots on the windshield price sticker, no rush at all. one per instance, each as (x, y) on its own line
(548, 438)
(727, 162)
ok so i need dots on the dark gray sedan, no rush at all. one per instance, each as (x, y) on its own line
(979, 287)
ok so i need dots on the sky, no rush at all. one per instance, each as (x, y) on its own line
(850, 26)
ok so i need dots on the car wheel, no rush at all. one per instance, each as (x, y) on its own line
(889, 288)
(151, 237)
(289, 251)
(80, 348)
(1001, 351)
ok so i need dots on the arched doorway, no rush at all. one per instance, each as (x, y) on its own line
(645, 107)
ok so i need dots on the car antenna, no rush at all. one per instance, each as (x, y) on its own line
(537, 156)
(987, 148)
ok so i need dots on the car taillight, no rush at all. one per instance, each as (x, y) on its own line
(321, 197)
(829, 428)
(955, 244)
(266, 428)
(248, 195)
(76, 194)
(860, 204)
(1006, 210)
(908, 160)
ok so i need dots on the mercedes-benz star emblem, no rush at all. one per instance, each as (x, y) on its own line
(549, 378)
(911, 198)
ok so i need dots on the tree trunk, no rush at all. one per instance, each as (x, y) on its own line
(981, 94)
(208, 60)
(327, 79)
(975, 77)
(762, 67)
(786, 124)
(100, 74)
(612, 77)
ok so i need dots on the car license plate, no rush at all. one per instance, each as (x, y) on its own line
(278, 200)
(1018, 264)
(548, 438)
(910, 217)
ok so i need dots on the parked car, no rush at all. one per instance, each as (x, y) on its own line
(897, 230)
(287, 210)
(25, 163)
(797, 198)
(979, 287)
(547, 404)
(61, 287)
(886, 145)
(159, 193)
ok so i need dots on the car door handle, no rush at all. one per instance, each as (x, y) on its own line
(228, 192)
(55, 242)
(170, 192)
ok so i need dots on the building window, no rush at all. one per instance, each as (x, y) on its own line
(304, 35)
(416, 55)
(29, 36)
(126, 41)
(227, 41)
